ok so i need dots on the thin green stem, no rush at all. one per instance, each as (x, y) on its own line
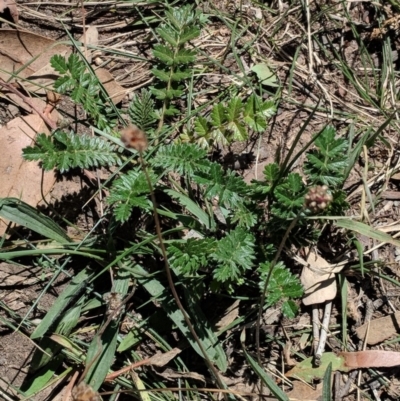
(171, 281)
(267, 280)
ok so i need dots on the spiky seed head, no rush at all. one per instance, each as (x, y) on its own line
(135, 138)
(317, 198)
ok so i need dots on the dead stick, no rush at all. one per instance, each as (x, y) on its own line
(28, 101)
(126, 369)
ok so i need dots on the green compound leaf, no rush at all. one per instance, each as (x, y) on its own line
(283, 285)
(271, 172)
(163, 53)
(234, 109)
(129, 191)
(189, 256)
(234, 254)
(228, 187)
(182, 158)
(68, 150)
(218, 115)
(59, 64)
(327, 164)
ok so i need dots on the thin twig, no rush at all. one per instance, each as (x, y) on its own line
(28, 101)
(324, 333)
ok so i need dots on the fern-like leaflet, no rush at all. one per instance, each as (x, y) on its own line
(83, 87)
(229, 190)
(187, 257)
(326, 164)
(231, 122)
(282, 286)
(234, 255)
(64, 151)
(129, 191)
(184, 159)
(289, 196)
(142, 112)
(173, 57)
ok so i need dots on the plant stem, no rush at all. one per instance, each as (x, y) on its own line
(171, 281)
(264, 293)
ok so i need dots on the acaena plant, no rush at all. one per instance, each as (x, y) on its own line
(227, 215)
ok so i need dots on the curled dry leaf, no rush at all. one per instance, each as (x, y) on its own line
(230, 314)
(170, 374)
(90, 37)
(12, 8)
(318, 279)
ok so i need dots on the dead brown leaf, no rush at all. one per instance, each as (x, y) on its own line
(13, 301)
(318, 279)
(22, 179)
(370, 359)
(114, 90)
(12, 7)
(162, 359)
(380, 329)
(27, 53)
(170, 374)
(231, 313)
(305, 392)
(90, 37)
(36, 101)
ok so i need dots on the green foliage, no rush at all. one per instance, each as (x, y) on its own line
(282, 286)
(187, 257)
(231, 122)
(234, 227)
(142, 112)
(289, 196)
(173, 56)
(229, 257)
(64, 151)
(129, 191)
(83, 87)
(184, 159)
(229, 190)
(234, 254)
(326, 165)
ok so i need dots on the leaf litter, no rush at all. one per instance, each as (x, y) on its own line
(25, 55)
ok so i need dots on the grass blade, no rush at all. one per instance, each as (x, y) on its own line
(21, 213)
(278, 393)
(366, 230)
(158, 291)
(326, 389)
(77, 284)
